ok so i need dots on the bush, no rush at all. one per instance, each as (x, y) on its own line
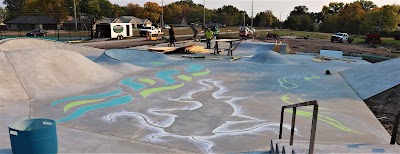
(396, 35)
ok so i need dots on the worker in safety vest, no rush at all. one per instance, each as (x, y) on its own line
(209, 36)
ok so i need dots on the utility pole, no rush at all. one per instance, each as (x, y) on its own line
(76, 20)
(162, 14)
(204, 13)
(244, 19)
(252, 11)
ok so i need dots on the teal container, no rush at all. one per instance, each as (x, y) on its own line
(33, 136)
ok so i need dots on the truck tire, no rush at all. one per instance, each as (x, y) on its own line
(340, 41)
(332, 40)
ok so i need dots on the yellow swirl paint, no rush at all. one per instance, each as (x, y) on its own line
(185, 77)
(201, 73)
(311, 78)
(146, 80)
(327, 120)
(77, 103)
(286, 84)
(148, 92)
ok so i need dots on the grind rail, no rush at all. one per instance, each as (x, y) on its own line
(313, 124)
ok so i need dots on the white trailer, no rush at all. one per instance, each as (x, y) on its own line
(121, 30)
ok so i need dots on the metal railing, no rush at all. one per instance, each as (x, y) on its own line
(395, 128)
(313, 124)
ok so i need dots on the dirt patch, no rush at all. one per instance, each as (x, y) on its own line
(315, 45)
(384, 106)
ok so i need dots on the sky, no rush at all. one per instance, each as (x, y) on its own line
(280, 8)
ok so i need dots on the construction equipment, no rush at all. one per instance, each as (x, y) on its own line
(373, 38)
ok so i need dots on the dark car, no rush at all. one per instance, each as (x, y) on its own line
(37, 32)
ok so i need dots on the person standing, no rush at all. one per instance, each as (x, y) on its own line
(172, 38)
(209, 36)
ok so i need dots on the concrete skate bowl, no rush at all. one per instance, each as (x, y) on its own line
(139, 58)
(117, 65)
(45, 73)
(248, 48)
(268, 57)
(370, 80)
(32, 43)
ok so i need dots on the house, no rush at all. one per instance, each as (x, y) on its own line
(82, 24)
(136, 22)
(31, 22)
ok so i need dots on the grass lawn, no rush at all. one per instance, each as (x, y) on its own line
(298, 33)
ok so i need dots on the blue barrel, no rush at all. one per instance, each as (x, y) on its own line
(33, 136)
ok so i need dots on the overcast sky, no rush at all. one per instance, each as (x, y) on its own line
(281, 8)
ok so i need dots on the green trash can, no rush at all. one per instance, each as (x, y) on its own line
(33, 136)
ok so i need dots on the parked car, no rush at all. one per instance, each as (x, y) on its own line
(37, 32)
(149, 30)
(341, 37)
(167, 27)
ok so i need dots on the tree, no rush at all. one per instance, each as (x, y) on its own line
(106, 8)
(135, 10)
(331, 24)
(90, 8)
(266, 19)
(298, 10)
(52, 8)
(117, 10)
(3, 14)
(152, 10)
(366, 5)
(14, 7)
(351, 17)
(385, 19)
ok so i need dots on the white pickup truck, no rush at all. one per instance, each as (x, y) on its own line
(150, 30)
(341, 37)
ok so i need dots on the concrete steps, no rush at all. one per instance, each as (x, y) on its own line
(301, 147)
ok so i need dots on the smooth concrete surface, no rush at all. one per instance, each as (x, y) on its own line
(370, 80)
(11, 88)
(180, 105)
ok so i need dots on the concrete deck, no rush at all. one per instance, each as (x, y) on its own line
(178, 105)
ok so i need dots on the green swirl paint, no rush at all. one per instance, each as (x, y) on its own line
(148, 92)
(146, 80)
(325, 119)
(201, 73)
(311, 78)
(286, 84)
(185, 77)
(77, 103)
(286, 99)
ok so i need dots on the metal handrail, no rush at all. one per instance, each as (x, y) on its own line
(313, 124)
(395, 128)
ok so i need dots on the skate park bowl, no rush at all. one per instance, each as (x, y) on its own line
(130, 101)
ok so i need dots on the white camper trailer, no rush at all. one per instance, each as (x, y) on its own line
(121, 30)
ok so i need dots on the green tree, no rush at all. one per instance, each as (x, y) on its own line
(266, 19)
(52, 8)
(90, 8)
(331, 24)
(106, 8)
(385, 19)
(366, 5)
(351, 17)
(3, 14)
(14, 7)
(135, 10)
(153, 11)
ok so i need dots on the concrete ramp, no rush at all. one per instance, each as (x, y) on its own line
(143, 59)
(33, 43)
(256, 47)
(46, 73)
(117, 65)
(369, 80)
(11, 88)
(268, 57)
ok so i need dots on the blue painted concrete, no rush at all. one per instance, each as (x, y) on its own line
(134, 85)
(82, 110)
(167, 76)
(94, 96)
(194, 68)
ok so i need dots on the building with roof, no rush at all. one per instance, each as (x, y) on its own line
(136, 22)
(31, 22)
